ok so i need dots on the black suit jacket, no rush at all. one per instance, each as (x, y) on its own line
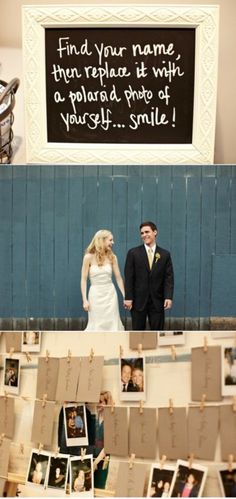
(141, 282)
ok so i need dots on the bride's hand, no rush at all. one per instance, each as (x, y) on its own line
(86, 305)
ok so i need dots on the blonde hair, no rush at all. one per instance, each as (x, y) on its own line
(97, 247)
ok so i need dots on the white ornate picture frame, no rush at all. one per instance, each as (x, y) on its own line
(203, 18)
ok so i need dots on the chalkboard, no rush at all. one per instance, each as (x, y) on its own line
(124, 85)
(120, 84)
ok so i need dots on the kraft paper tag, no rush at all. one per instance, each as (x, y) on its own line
(143, 432)
(42, 428)
(90, 380)
(7, 416)
(202, 432)
(13, 341)
(2, 486)
(69, 371)
(148, 340)
(172, 434)
(4, 456)
(130, 480)
(227, 431)
(116, 431)
(47, 378)
(206, 373)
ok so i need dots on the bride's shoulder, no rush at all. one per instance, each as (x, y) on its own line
(88, 258)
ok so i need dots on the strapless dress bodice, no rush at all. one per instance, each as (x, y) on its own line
(100, 274)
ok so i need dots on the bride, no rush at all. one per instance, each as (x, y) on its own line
(99, 264)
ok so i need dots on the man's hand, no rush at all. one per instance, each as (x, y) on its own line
(128, 304)
(167, 304)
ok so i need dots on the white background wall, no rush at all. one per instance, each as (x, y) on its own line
(225, 145)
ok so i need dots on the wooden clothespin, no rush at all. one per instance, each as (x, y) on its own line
(57, 451)
(205, 345)
(105, 462)
(83, 453)
(47, 356)
(40, 448)
(190, 460)
(173, 352)
(5, 395)
(91, 355)
(162, 461)
(141, 407)
(44, 400)
(140, 347)
(131, 461)
(21, 449)
(121, 352)
(203, 401)
(28, 357)
(171, 406)
(230, 462)
(69, 356)
(112, 406)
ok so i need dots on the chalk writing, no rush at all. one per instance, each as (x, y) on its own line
(105, 85)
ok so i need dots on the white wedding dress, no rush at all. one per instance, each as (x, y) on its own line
(103, 312)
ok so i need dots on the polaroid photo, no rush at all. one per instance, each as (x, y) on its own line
(228, 371)
(12, 374)
(81, 476)
(132, 378)
(31, 341)
(38, 468)
(227, 481)
(75, 422)
(58, 474)
(168, 338)
(188, 482)
(160, 480)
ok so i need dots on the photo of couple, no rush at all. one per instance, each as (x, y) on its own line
(147, 288)
(132, 378)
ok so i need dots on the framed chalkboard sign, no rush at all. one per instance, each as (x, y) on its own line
(120, 84)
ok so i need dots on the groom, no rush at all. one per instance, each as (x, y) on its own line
(149, 281)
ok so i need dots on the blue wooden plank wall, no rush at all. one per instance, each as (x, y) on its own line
(48, 214)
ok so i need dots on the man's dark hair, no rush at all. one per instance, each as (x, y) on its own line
(149, 224)
(124, 363)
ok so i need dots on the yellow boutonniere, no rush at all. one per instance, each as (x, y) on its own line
(157, 257)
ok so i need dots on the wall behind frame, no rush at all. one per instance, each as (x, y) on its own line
(48, 214)
(165, 377)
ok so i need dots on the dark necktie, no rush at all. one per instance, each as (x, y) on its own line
(124, 387)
